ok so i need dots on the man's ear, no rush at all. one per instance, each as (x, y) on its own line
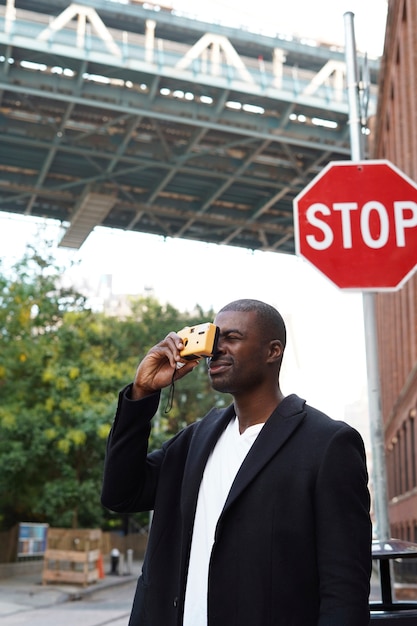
(276, 350)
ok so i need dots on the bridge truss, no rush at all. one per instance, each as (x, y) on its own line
(121, 115)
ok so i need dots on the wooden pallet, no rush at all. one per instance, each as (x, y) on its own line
(72, 556)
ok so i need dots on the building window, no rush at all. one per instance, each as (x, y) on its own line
(413, 450)
(406, 484)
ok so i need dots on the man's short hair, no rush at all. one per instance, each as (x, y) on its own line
(270, 320)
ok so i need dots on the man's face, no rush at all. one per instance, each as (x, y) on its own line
(239, 364)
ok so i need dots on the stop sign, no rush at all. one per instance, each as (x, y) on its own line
(357, 223)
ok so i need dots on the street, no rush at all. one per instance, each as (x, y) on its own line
(105, 606)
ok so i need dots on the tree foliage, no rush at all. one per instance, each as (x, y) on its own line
(61, 367)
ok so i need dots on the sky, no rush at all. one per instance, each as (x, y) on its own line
(325, 359)
(320, 20)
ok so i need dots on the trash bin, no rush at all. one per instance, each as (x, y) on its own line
(389, 611)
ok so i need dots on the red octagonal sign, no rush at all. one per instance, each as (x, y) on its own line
(357, 223)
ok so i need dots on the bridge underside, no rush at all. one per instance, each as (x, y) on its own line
(203, 136)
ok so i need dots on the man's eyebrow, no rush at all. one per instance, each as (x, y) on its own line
(229, 331)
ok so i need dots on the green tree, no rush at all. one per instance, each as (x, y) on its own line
(61, 366)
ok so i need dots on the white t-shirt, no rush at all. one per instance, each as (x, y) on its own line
(219, 474)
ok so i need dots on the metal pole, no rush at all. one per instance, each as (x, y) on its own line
(374, 395)
(352, 80)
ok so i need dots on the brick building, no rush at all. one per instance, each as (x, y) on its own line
(396, 312)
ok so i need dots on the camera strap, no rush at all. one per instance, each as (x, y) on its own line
(170, 399)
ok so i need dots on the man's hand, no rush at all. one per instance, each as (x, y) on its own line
(156, 370)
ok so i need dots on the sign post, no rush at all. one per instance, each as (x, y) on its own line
(374, 391)
(357, 223)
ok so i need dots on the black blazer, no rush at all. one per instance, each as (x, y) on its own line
(293, 543)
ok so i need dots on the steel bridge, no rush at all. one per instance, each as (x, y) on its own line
(118, 114)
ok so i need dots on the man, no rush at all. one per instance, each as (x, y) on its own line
(261, 510)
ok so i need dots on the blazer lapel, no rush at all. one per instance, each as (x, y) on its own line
(205, 436)
(277, 430)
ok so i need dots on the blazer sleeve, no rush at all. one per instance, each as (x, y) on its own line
(344, 531)
(129, 479)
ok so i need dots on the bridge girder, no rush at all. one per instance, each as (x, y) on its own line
(120, 116)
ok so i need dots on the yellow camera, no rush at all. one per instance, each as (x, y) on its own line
(198, 340)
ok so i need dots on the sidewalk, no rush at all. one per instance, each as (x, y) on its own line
(26, 591)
